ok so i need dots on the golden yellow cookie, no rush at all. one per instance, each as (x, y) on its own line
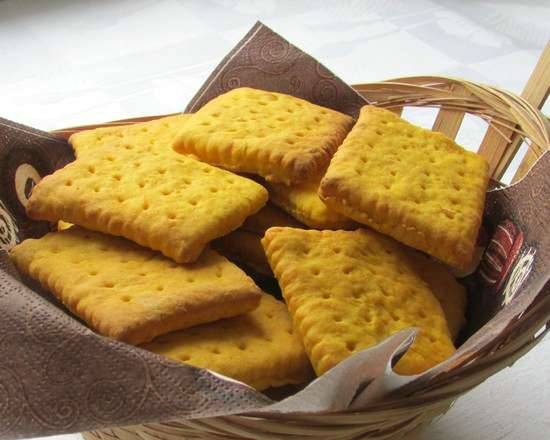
(61, 225)
(302, 201)
(349, 290)
(244, 248)
(259, 348)
(450, 293)
(168, 202)
(130, 293)
(152, 136)
(279, 137)
(266, 218)
(413, 184)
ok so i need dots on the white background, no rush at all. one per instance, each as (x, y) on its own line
(65, 63)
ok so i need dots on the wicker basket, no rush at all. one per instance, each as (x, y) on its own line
(512, 120)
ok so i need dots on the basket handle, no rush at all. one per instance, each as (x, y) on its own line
(536, 92)
(496, 147)
(511, 118)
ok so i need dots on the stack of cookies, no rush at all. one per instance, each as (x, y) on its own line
(170, 221)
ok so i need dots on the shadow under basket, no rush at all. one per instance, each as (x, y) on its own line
(512, 121)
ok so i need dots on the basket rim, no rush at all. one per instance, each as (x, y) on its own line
(397, 81)
(444, 86)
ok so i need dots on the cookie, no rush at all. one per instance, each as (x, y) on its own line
(152, 136)
(266, 218)
(167, 202)
(245, 249)
(304, 204)
(449, 292)
(280, 137)
(413, 184)
(130, 293)
(349, 290)
(61, 225)
(258, 348)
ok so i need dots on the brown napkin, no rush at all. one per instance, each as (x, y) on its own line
(265, 60)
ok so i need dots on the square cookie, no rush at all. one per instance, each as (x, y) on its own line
(151, 136)
(280, 137)
(349, 290)
(266, 218)
(415, 185)
(258, 348)
(131, 293)
(167, 202)
(302, 201)
(449, 292)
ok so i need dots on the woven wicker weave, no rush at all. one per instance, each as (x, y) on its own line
(511, 119)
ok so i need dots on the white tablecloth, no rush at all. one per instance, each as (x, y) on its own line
(65, 63)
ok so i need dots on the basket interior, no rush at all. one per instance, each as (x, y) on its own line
(481, 118)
